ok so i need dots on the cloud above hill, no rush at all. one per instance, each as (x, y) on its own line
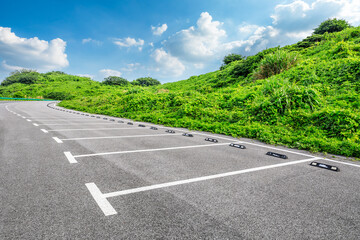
(31, 53)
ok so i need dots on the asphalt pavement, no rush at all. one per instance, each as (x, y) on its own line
(67, 174)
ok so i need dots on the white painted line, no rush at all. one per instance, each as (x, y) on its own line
(70, 124)
(283, 150)
(70, 157)
(152, 150)
(36, 125)
(110, 137)
(57, 140)
(340, 162)
(45, 131)
(23, 117)
(91, 129)
(99, 198)
(57, 117)
(28, 120)
(192, 180)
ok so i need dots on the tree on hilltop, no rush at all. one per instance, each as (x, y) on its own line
(332, 25)
(145, 81)
(114, 80)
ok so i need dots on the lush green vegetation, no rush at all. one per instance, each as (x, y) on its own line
(305, 96)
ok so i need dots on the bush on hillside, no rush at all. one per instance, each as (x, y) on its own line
(275, 63)
(247, 66)
(21, 76)
(232, 57)
(331, 25)
(114, 80)
(145, 81)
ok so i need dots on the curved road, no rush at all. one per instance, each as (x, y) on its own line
(72, 175)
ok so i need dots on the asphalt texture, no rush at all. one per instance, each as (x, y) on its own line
(44, 196)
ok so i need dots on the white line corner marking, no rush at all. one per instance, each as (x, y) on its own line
(70, 157)
(45, 131)
(100, 199)
(105, 206)
(57, 140)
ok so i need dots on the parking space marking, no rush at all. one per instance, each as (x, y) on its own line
(99, 198)
(70, 157)
(150, 150)
(105, 206)
(340, 162)
(110, 137)
(89, 129)
(70, 124)
(57, 140)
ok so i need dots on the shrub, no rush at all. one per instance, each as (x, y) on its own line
(331, 25)
(113, 80)
(231, 58)
(23, 76)
(145, 81)
(275, 63)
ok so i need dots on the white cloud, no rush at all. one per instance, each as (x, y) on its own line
(130, 42)
(31, 53)
(295, 21)
(90, 40)
(166, 64)
(197, 43)
(131, 67)
(159, 30)
(109, 72)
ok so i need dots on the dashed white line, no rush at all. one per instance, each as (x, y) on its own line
(44, 130)
(28, 120)
(35, 124)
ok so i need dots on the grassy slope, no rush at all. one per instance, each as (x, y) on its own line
(314, 105)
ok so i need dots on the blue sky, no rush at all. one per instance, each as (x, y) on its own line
(168, 40)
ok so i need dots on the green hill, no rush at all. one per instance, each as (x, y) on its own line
(304, 96)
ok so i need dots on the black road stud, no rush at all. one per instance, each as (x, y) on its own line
(211, 140)
(237, 146)
(112, 120)
(188, 135)
(170, 131)
(86, 114)
(325, 166)
(105, 118)
(141, 125)
(97, 117)
(154, 128)
(120, 121)
(278, 155)
(92, 116)
(77, 113)
(130, 123)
